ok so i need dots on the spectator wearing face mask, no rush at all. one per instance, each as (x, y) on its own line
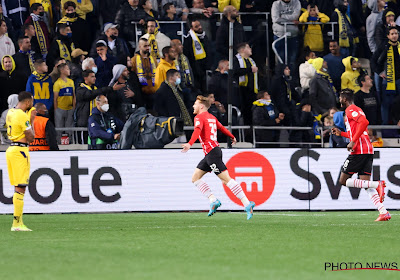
(117, 46)
(62, 46)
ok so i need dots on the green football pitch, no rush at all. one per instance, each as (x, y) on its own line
(273, 245)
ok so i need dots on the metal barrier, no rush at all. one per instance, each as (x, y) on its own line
(287, 34)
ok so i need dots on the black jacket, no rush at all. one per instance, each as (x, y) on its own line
(54, 51)
(379, 59)
(83, 98)
(380, 30)
(322, 96)
(222, 38)
(22, 64)
(10, 84)
(126, 17)
(265, 115)
(109, 9)
(238, 71)
(121, 51)
(165, 103)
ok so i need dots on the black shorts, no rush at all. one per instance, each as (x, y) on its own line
(361, 164)
(212, 162)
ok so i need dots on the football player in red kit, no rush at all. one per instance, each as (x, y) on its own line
(205, 129)
(361, 156)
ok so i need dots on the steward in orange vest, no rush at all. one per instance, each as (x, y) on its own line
(45, 133)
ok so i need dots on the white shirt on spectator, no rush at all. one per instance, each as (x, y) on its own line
(6, 46)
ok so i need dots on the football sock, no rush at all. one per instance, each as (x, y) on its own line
(204, 189)
(212, 198)
(237, 190)
(18, 201)
(361, 184)
(373, 194)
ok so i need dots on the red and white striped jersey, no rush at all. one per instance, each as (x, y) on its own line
(362, 145)
(208, 125)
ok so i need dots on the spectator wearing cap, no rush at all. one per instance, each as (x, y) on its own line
(78, 56)
(388, 20)
(117, 46)
(62, 46)
(80, 28)
(105, 63)
(42, 35)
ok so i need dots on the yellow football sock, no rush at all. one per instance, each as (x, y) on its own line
(18, 201)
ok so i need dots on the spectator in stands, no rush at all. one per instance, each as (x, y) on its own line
(350, 75)
(284, 94)
(338, 141)
(386, 62)
(6, 44)
(313, 33)
(29, 31)
(217, 109)
(196, 48)
(306, 70)
(105, 63)
(42, 35)
(286, 11)
(266, 114)
(82, 7)
(45, 132)
(121, 100)
(85, 95)
(145, 66)
(245, 73)
(171, 29)
(166, 63)
(151, 14)
(218, 85)
(78, 56)
(47, 12)
(302, 117)
(367, 100)
(344, 30)
(117, 46)
(181, 8)
(12, 102)
(157, 40)
(64, 98)
(104, 128)
(323, 94)
(79, 27)
(24, 58)
(10, 28)
(335, 64)
(377, 7)
(185, 70)
(169, 100)
(109, 8)
(205, 14)
(222, 39)
(55, 74)
(89, 64)
(62, 46)
(127, 16)
(41, 86)
(223, 3)
(17, 11)
(11, 81)
(388, 17)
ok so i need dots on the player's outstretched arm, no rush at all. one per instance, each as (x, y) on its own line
(234, 141)
(185, 147)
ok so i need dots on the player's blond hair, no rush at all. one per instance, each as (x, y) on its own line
(204, 100)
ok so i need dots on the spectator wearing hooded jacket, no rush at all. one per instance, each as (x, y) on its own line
(352, 71)
(344, 30)
(377, 7)
(387, 21)
(306, 70)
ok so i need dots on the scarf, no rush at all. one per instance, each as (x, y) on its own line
(40, 77)
(244, 80)
(67, 20)
(154, 52)
(390, 68)
(141, 72)
(39, 33)
(92, 103)
(64, 52)
(262, 102)
(328, 77)
(198, 49)
(183, 66)
(343, 32)
(30, 58)
(184, 111)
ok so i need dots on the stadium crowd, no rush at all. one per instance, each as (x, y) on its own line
(103, 56)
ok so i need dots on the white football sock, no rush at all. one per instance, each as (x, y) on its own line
(205, 189)
(361, 184)
(237, 190)
(373, 194)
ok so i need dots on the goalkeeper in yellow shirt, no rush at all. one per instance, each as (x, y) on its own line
(21, 133)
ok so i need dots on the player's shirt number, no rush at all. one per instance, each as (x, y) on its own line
(213, 135)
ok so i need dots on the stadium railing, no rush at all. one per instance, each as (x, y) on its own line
(287, 34)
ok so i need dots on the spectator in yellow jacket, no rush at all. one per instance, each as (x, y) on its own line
(313, 32)
(166, 63)
(352, 71)
(223, 3)
(83, 7)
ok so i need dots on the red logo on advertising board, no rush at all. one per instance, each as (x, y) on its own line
(255, 175)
